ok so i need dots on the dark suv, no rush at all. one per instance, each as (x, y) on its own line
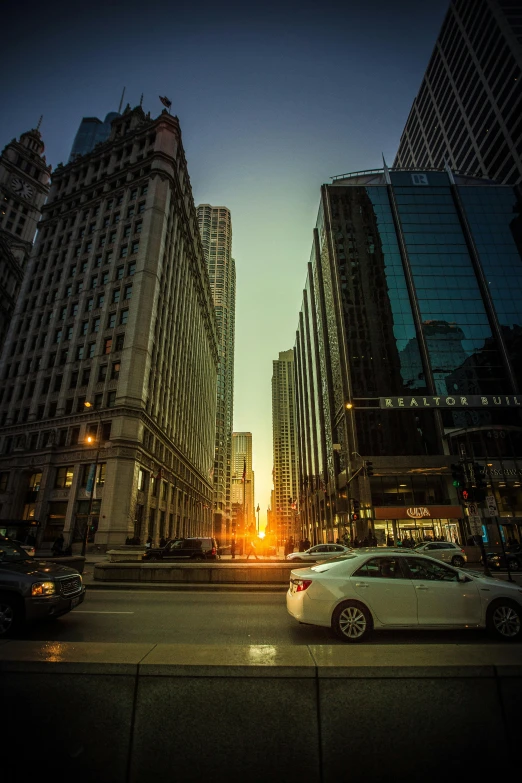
(33, 590)
(184, 549)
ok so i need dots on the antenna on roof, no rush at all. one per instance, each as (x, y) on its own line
(121, 101)
(141, 100)
(39, 122)
(386, 171)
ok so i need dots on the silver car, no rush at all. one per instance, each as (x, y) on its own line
(318, 552)
(445, 551)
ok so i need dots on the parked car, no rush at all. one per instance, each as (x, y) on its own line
(29, 548)
(443, 550)
(184, 549)
(377, 589)
(497, 560)
(318, 552)
(33, 590)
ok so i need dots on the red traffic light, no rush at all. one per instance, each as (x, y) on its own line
(465, 494)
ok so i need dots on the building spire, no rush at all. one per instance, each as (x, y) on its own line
(121, 101)
(141, 100)
(39, 122)
(386, 171)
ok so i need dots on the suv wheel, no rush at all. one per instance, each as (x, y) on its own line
(9, 614)
(457, 561)
(504, 620)
(198, 557)
(514, 565)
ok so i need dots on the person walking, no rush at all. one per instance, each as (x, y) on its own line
(252, 551)
(307, 544)
(148, 542)
(162, 542)
(58, 545)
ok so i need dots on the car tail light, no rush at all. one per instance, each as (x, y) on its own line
(301, 584)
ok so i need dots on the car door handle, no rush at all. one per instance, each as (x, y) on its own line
(420, 587)
(361, 584)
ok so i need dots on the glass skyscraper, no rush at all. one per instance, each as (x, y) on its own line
(411, 317)
(468, 111)
(91, 132)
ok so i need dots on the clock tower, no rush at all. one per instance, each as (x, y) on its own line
(24, 185)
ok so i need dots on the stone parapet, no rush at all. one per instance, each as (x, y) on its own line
(125, 713)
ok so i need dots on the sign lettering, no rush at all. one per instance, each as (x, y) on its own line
(468, 401)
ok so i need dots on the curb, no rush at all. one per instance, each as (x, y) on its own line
(188, 586)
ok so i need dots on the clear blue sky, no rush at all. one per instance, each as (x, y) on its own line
(273, 100)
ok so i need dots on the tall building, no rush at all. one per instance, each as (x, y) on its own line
(468, 112)
(409, 355)
(115, 310)
(91, 132)
(215, 226)
(24, 185)
(242, 489)
(286, 494)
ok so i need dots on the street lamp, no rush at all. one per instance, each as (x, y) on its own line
(91, 439)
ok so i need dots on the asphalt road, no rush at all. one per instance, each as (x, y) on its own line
(206, 618)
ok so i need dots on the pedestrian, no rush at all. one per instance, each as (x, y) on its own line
(148, 542)
(301, 545)
(307, 544)
(365, 541)
(58, 545)
(389, 541)
(162, 542)
(252, 551)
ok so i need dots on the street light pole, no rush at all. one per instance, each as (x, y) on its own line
(98, 442)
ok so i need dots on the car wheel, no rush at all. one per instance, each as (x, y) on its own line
(504, 620)
(154, 559)
(514, 565)
(352, 622)
(457, 561)
(10, 615)
(198, 557)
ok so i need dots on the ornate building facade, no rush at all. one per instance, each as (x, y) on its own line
(107, 408)
(215, 226)
(24, 185)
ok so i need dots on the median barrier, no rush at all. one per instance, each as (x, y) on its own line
(211, 573)
(123, 713)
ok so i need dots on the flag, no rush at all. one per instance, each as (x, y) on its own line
(165, 101)
(90, 479)
(244, 470)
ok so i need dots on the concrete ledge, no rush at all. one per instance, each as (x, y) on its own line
(135, 712)
(210, 573)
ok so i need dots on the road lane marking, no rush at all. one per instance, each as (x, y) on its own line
(86, 611)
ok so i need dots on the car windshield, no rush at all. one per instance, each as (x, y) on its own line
(11, 552)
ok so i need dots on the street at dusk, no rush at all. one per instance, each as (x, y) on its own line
(261, 391)
(158, 617)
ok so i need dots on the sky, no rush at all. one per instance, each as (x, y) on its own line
(273, 100)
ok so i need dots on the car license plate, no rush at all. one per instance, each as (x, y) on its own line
(75, 602)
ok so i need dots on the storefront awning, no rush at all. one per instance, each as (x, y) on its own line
(418, 512)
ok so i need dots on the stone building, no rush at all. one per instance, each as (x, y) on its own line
(286, 492)
(24, 185)
(110, 365)
(215, 226)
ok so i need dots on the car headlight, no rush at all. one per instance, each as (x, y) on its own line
(43, 588)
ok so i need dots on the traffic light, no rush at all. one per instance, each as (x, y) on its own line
(368, 467)
(480, 477)
(458, 474)
(356, 510)
(465, 495)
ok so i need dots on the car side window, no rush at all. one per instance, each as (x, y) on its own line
(381, 568)
(322, 548)
(176, 545)
(430, 571)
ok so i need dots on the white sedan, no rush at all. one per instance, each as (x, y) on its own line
(377, 589)
(319, 552)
